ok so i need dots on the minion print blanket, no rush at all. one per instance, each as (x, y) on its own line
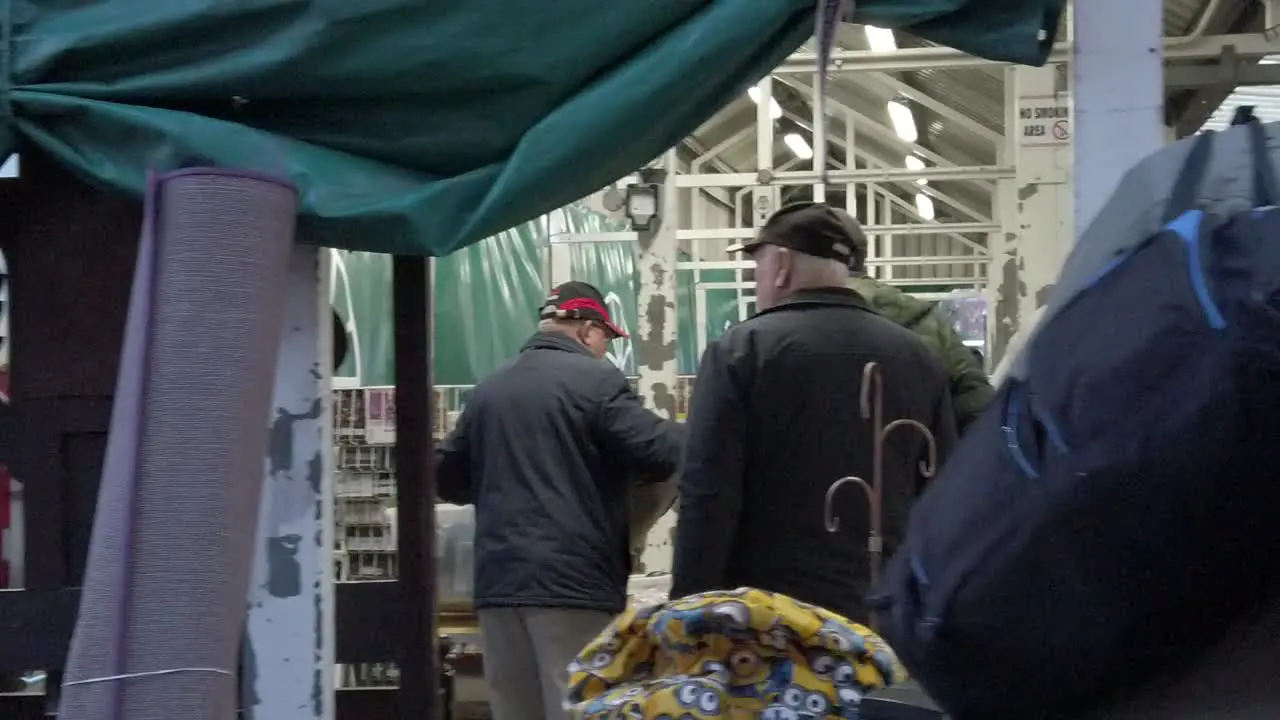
(729, 655)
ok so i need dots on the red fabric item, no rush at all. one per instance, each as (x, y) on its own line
(4, 524)
(590, 304)
(584, 304)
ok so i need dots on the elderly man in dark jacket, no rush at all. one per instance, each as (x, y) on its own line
(776, 419)
(545, 448)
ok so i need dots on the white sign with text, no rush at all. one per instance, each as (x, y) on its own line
(1044, 121)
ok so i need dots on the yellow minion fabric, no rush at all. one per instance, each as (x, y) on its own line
(729, 655)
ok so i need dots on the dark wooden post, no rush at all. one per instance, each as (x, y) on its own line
(416, 489)
(70, 250)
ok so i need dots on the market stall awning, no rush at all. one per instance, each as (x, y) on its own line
(419, 127)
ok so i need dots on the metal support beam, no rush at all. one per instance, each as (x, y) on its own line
(1004, 285)
(764, 123)
(900, 229)
(741, 233)
(411, 291)
(1039, 232)
(932, 103)
(289, 649)
(907, 260)
(981, 172)
(1183, 77)
(654, 341)
(876, 129)
(930, 58)
(655, 337)
(909, 208)
(723, 145)
(703, 156)
(764, 200)
(1118, 116)
(874, 160)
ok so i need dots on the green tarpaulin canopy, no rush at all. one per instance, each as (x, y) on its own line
(418, 126)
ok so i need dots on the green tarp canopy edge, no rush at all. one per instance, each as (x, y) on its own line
(412, 127)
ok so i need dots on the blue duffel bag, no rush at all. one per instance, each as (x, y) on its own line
(1116, 507)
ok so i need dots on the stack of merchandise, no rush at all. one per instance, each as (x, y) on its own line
(364, 491)
(365, 496)
(364, 509)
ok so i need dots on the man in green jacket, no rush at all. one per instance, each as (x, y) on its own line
(970, 390)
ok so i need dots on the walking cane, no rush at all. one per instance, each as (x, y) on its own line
(872, 402)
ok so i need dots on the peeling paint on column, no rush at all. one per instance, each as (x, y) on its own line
(656, 346)
(658, 338)
(1008, 298)
(290, 638)
(655, 336)
(1027, 262)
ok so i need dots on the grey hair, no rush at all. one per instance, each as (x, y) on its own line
(811, 271)
(559, 324)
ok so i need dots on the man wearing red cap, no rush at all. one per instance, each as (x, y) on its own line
(547, 448)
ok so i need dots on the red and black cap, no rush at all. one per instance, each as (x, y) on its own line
(814, 229)
(578, 301)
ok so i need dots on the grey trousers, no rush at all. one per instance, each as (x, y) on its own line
(527, 652)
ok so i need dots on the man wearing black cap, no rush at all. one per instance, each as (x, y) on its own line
(776, 419)
(546, 449)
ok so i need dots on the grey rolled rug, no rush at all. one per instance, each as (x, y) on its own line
(162, 609)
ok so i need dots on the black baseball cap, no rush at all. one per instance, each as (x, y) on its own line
(578, 301)
(814, 229)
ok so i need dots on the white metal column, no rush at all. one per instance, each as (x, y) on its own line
(1044, 191)
(1118, 86)
(655, 336)
(559, 250)
(656, 323)
(289, 651)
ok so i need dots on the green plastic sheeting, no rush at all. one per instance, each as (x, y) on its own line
(410, 126)
(487, 297)
(611, 267)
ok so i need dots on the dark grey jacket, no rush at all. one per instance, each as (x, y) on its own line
(545, 448)
(775, 420)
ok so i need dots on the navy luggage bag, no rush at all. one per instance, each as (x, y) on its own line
(1116, 508)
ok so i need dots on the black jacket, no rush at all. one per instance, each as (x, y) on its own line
(775, 420)
(545, 448)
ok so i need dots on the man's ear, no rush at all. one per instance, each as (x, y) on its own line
(784, 263)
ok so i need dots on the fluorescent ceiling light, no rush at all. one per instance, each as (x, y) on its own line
(924, 206)
(880, 39)
(775, 110)
(904, 123)
(798, 145)
(10, 167)
(914, 163)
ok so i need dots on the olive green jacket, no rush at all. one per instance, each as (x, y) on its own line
(970, 390)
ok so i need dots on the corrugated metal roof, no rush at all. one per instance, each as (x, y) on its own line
(1180, 16)
(975, 93)
(979, 92)
(1264, 98)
